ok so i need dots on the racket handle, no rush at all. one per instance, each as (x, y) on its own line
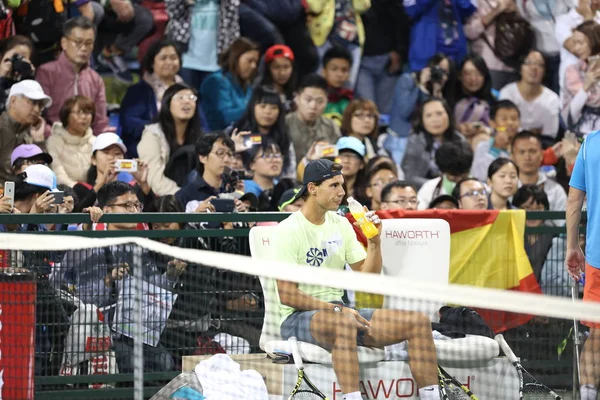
(295, 352)
(506, 348)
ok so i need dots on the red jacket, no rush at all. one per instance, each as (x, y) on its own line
(60, 81)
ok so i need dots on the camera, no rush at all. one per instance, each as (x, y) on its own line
(232, 176)
(20, 69)
(437, 74)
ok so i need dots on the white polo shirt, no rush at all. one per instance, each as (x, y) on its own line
(541, 113)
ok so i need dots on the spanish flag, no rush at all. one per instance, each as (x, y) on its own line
(487, 249)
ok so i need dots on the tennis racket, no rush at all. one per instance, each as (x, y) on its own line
(529, 387)
(451, 388)
(312, 393)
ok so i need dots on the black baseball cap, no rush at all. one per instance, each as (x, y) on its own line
(317, 171)
(442, 198)
(287, 198)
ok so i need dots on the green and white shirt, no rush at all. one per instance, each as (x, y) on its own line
(329, 245)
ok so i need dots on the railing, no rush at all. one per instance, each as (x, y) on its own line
(69, 387)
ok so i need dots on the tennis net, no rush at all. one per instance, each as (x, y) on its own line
(132, 305)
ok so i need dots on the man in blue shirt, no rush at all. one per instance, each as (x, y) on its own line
(586, 181)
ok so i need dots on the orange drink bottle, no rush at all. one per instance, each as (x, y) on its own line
(358, 212)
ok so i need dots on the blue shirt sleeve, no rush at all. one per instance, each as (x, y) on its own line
(578, 176)
(252, 187)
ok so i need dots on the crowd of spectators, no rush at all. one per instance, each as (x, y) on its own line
(232, 99)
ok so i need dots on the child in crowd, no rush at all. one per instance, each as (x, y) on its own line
(337, 63)
(505, 122)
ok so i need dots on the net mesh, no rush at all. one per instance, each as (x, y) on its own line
(102, 303)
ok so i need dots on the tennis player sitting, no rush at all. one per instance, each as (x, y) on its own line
(316, 236)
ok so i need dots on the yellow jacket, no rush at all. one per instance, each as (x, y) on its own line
(321, 24)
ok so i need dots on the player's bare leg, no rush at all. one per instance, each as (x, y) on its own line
(394, 326)
(337, 331)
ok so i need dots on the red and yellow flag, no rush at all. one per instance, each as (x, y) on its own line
(487, 249)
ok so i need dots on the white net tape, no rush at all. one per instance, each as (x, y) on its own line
(470, 296)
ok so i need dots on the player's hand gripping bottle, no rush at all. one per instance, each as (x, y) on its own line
(358, 212)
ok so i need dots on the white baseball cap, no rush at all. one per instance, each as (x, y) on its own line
(40, 175)
(107, 139)
(30, 89)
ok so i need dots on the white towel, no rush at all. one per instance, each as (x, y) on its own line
(232, 344)
(222, 379)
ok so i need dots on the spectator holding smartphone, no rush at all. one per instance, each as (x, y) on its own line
(581, 91)
(107, 149)
(265, 116)
(34, 189)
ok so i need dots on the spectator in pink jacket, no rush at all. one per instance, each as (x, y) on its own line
(72, 75)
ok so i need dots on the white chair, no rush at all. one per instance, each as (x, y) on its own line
(261, 242)
(419, 249)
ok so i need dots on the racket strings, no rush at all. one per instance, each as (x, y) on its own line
(534, 390)
(455, 392)
(537, 391)
(305, 395)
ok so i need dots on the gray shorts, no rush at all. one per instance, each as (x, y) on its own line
(298, 325)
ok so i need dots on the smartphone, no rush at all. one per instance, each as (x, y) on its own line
(9, 191)
(326, 150)
(223, 205)
(59, 197)
(126, 166)
(253, 140)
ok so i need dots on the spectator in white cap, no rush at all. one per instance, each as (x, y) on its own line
(33, 193)
(28, 154)
(21, 123)
(34, 190)
(106, 150)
